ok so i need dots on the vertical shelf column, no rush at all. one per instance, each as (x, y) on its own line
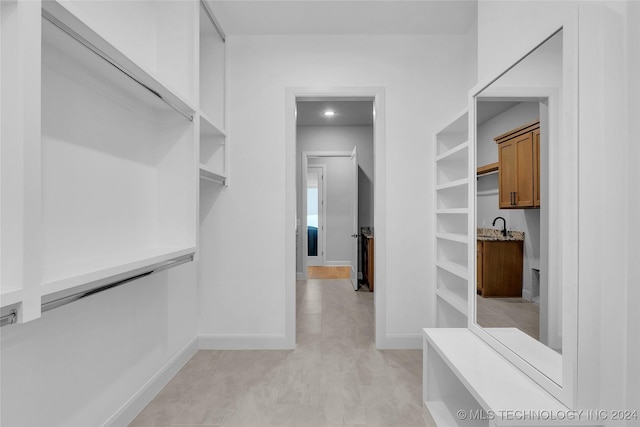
(214, 151)
(452, 215)
(20, 253)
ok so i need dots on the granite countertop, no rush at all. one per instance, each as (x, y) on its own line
(491, 234)
(367, 232)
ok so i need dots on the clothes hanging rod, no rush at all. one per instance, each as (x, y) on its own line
(12, 316)
(77, 37)
(67, 299)
(214, 21)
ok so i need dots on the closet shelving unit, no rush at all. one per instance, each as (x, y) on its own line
(103, 119)
(214, 152)
(452, 214)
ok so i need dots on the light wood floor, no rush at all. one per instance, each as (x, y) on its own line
(328, 272)
(509, 312)
(334, 377)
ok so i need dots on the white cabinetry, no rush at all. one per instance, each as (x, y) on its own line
(452, 216)
(468, 383)
(103, 116)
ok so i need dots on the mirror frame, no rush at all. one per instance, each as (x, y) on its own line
(563, 217)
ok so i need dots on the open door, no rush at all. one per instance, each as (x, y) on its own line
(354, 216)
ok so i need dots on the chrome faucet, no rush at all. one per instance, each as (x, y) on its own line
(504, 225)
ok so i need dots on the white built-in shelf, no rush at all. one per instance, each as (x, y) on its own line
(453, 184)
(453, 299)
(453, 267)
(456, 211)
(76, 273)
(213, 151)
(444, 411)
(463, 373)
(454, 237)
(76, 17)
(210, 127)
(211, 175)
(212, 71)
(108, 124)
(452, 208)
(459, 151)
(10, 296)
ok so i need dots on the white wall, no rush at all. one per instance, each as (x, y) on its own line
(79, 364)
(340, 138)
(608, 209)
(425, 78)
(487, 208)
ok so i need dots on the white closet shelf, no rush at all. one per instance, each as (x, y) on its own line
(453, 299)
(452, 184)
(62, 277)
(453, 268)
(11, 296)
(452, 211)
(457, 151)
(209, 127)
(64, 13)
(454, 237)
(210, 175)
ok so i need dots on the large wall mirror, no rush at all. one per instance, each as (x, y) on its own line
(517, 292)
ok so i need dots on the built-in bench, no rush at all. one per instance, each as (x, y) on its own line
(468, 383)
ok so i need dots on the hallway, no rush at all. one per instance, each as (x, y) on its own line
(334, 377)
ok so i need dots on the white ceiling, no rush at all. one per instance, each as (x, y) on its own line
(269, 17)
(347, 113)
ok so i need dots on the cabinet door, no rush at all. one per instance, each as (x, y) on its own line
(536, 168)
(507, 173)
(515, 157)
(524, 171)
(502, 267)
(479, 269)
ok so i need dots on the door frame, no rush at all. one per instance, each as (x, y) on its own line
(305, 166)
(321, 232)
(377, 95)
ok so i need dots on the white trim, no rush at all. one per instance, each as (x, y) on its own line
(244, 342)
(134, 405)
(338, 263)
(377, 94)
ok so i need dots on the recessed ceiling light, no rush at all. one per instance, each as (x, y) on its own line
(329, 113)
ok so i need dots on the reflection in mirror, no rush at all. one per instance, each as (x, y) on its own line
(313, 213)
(517, 120)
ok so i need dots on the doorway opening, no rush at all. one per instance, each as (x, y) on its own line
(334, 244)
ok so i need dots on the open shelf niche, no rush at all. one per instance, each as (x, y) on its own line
(104, 162)
(452, 223)
(214, 152)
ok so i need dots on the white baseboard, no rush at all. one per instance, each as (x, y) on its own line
(245, 342)
(151, 388)
(337, 263)
(400, 342)
(526, 294)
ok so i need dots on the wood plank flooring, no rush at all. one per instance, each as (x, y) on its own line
(335, 376)
(328, 272)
